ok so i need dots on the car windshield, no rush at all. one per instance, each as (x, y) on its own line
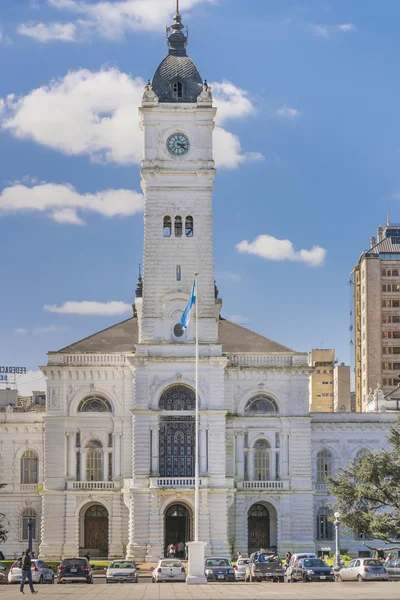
(314, 562)
(372, 561)
(218, 562)
(122, 564)
(74, 562)
(171, 563)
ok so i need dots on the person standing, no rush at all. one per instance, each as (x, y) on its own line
(26, 564)
(181, 549)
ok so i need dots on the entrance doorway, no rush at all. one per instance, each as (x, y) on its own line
(96, 530)
(177, 525)
(259, 528)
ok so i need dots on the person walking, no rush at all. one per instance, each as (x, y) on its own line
(181, 549)
(239, 556)
(26, 564)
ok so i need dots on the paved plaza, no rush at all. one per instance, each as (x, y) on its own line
(220, 591)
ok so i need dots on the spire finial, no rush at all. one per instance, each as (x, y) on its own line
(388, 217)
(177, 40)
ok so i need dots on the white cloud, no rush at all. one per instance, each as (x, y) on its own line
(326, 31)
(113, 20)
(20, 331)
(271, 248)
(90, 308)
(287, 112)
(48, 32)
(240, 319)
(48, 329)
(29, 382)
(94, 114)
(62, 203)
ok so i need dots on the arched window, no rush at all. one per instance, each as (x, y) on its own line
(262, 451)
(189, 227)
(177, 90)
(94, 404)
(27, 516)
(324, 465)
(29, 467)
(362, 453)
(178, 226)
(261, 404)
(178, 397)
(167, 229)
(94, 461)
(324, 524)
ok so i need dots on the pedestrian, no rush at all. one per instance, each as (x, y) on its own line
(176, 550)
(1, 556)
(389, 557)
(87, 556)
(32, 554)
(239, 555)
(186, 551)
(181, 549)
(26, 564)
(287, 558)
(171, 551)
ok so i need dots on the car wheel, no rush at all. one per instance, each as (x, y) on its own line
(360, 579)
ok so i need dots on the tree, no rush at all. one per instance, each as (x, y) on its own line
(367, 492)
(3, 532)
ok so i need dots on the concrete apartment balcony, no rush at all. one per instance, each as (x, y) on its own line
(272, 486)
(321, 488)
(177, 482)
(110, 486)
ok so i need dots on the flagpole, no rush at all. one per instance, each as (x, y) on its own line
(196, 471)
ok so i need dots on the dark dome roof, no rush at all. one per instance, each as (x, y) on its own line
(177, 68)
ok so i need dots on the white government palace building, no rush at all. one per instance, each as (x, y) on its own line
(108, 468)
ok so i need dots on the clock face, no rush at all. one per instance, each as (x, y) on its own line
(178, 144)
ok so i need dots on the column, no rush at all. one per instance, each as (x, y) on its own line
(117, 456)
(240, 455)
(203, 450)
(250, 463)
(83, 464)
(70, 454)
(155, 466)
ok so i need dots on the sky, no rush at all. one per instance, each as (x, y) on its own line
(306, 146)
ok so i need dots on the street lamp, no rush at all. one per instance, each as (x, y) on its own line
(337, 525)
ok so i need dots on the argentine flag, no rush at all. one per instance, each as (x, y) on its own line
(185, 319)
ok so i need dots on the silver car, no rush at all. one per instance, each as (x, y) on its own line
(393, 569)
(169, 569)
(119, 571)
(363, 569)
(240, 569)
(41, 572)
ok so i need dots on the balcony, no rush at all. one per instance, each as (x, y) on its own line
(276, 486)
(28, 487)
(321, 488)
(177, 482)
(110, 486)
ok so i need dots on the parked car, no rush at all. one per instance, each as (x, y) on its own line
(270, 567)
(169, 569)
(122, 570)
(393, 568)
(219, 568)
(293, 561)
(363, 569)
(312, 569)
(74, 569)
(240, 569)
(3, 573)
(41, 572)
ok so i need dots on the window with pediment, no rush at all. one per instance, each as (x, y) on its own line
(29, 467)
(262, 453)
(324, 465)
(261, 404)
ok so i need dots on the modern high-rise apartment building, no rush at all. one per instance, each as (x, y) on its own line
(377, 314)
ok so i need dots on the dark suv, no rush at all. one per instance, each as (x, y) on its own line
(74, 569)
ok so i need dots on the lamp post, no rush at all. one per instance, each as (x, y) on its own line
(337, 525)
(30, 531)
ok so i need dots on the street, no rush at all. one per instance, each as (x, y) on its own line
(228, 591)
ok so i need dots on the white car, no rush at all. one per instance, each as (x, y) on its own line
(122, 570)
(41, 572)
(169, 569)
(240, 569)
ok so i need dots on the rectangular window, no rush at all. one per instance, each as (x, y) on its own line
(178, 273)
(25, 529)
(78, 439)
(277, 440)
(396, 335)
(386, 334)
(386, 318)
(396, 366)
(386, 366)
(386, 350)
(384, 288)
(110, 440)
(78, 466)
(396, 349)
(396, 319)
(395, 273)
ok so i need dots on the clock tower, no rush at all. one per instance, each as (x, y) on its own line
(178, 172)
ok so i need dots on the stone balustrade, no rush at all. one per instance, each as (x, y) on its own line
(93, 485)
(321, 487)
(176, 482)
(263, 485)
(266, 360)
(87, 360)
(28, 487)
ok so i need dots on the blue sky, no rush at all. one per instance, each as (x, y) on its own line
(313, 102)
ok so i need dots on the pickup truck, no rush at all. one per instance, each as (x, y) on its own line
(270, 567)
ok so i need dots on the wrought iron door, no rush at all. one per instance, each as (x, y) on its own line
(177, 440)
(259, 528)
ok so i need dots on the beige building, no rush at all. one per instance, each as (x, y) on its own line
(321, 380)
(377, 315)
(341, 388)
